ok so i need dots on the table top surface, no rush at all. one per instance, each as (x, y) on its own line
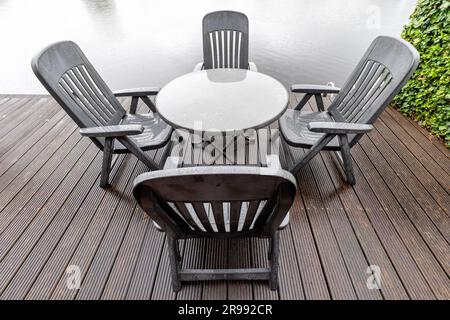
(222, 100)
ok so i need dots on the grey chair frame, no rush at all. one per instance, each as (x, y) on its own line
(73, 82)
(164, 195)
(221, 32)
(381, 73)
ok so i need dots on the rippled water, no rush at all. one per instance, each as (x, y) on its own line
(139, 43)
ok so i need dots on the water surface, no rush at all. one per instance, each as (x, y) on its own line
(148, 43)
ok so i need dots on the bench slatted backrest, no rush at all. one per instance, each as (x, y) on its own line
(216, 201)
(71, 79)
(384, 69)
(225, 40)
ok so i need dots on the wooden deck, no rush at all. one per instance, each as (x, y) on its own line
(53, 214)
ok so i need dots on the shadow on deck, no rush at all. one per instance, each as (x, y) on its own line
(54, 215)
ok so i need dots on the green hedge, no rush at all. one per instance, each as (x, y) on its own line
(426, 97)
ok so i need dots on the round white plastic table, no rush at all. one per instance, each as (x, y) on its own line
(222, 100)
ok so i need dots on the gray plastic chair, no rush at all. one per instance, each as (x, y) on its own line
(218, 202)
(382, 72)
(70, 78)
(225, 41)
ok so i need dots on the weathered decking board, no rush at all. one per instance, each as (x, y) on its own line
(53, 214)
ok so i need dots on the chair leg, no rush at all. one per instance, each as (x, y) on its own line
(347, 159)
(177, 247)
(174, 263)
(274, 257)
(139, 153)
(319, 102)
(149, 103)
(311, 153)
(134, 103)
(303, 102)
(107, 159)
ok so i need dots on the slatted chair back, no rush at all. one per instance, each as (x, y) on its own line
(225, 40)
(385, 67)
(216, 201)
(71, 79)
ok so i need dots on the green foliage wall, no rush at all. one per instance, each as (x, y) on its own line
(426, 97)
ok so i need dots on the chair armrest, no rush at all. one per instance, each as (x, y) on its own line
(112, 131)
(313, 88)
(198, 66)
(339, 127)
(137, 92)
(252, 66)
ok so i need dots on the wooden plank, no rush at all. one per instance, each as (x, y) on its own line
(89, 244)
(147, 265)
(33, 146)
(215, 258)
(125, 263)
(352, 253)
(339, 282)
(418, 249)
(392, 287)
(437, 142)
(28, 182)
(193, 257)
(33, 122)
(437, 191)
(238, 257)
(419, 194)
(422, 137)
(261, 289)
(14, 107)
(99, 270)
(19, 147)
(19, 116)
(13, 104)
(291, 286)
(397, 250)
(162, 287)
(428, 231)
(310, 267)
(32, 273)
(88, 196)
(428, 162)
(18, 243)
(360, 226)
(22, 216)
